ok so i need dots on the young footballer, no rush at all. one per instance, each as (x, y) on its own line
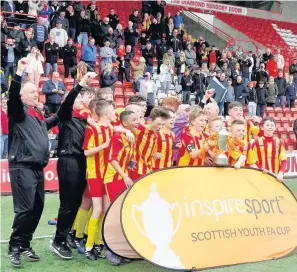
(165, 145)
(239, 151)
(121, 156)
(236, 112)
(145, 141)
(269, 151)
(96, 149)
(139, 100)
(192, 151)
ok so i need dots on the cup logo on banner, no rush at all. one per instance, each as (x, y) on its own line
(202, 217)
(159, 234)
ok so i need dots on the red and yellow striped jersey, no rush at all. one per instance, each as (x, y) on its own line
(117, 121)
(145, 143)
(96, 135)
(121, 151)
(164, 144)
(270, 154)
(191, 142)
(250, 129)
(236, 150)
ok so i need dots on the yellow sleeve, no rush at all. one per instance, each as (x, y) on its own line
(282, 152)
(254, 130)
(250, 157)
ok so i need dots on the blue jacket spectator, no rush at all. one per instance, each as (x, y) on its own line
(290, 90)
(177, 20)
(41, 33)
(89, 52)
(54, 90)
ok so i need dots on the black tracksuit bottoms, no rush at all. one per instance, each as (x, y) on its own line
(72, 183)
(27, 186)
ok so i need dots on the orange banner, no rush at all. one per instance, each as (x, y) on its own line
(202, 217)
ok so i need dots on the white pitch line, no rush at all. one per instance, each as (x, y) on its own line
(35, 238)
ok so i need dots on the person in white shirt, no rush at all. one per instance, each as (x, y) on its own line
(60, 34)
(166, 72)
(279, 60)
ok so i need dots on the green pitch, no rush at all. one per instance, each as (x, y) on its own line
(50, 263)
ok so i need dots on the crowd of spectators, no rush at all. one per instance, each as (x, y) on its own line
(78, 33)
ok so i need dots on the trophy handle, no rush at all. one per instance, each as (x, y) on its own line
(179, 217)
(135, 221)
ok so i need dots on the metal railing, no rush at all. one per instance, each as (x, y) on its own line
(220, 33)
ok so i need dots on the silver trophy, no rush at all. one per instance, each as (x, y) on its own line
(221, 159)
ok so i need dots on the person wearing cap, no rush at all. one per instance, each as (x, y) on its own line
(162, 48)
(41, 33)
(60, 34)
(261, 99)
(64, 21)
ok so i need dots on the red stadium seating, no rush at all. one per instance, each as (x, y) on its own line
(290, 144)
(68, 82)
(283, 133)
(285, 122)
(287, 112)
(291, 134)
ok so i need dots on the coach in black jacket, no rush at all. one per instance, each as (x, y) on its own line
(71, 165)
(28, 154)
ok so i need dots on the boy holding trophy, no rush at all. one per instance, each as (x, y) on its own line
(239, 151)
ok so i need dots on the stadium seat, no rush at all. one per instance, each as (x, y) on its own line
(68, 82)
(294, 112)
(292, 120)
(119, 104)
(291, 134)
(283, 133)
(287, 112)
(129, 91)
(279, 112)
(94, 83)
(291, 144)
(285, 122)
(118, 84)
(42, 80)
(118, 91)
(278, 122)
(270, 111)
(119, 100)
